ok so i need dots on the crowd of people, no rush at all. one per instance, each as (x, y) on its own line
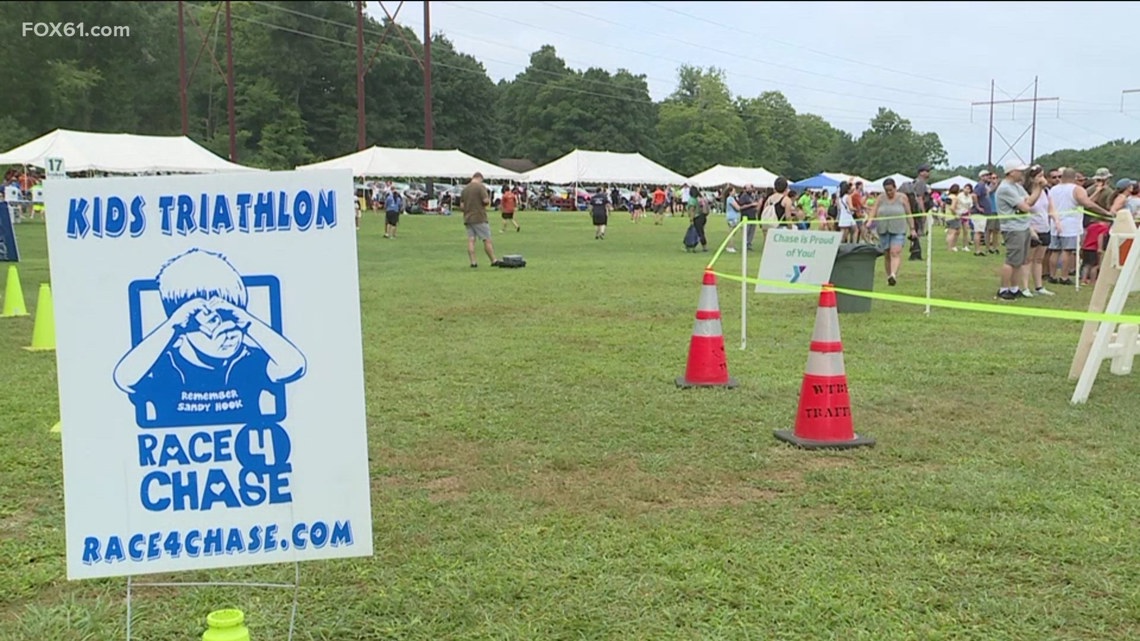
(1042, 218)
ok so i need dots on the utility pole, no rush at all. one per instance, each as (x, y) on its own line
(990, 147)
(360, 75)
(182, 101)
(230, 82)
(1031, 128)
(1033, 135)
(428, 133)
(1126, 91)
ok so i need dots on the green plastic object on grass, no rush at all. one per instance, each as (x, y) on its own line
(226, 625)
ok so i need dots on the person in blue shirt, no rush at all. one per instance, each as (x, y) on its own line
(211, 362)
(393, 207)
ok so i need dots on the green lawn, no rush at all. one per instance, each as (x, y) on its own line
(537, 475)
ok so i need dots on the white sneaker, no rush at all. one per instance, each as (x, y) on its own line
(731, 250)
(1025, 293)
(1041, 291)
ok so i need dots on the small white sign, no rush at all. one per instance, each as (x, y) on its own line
(796, 256)
(210, 371)
(53, 168)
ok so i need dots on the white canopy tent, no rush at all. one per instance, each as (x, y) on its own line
(392, 162)
(851, 178)
(961, 181)
(726, 175)
(590, 167)
(877, 186)
(120, 154)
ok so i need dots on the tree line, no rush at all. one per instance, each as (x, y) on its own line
(295, 89)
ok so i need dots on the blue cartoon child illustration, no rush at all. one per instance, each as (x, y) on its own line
(211, 362)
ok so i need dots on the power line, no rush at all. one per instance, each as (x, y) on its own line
(521, 81)
(766, 37)
(737, 54)
(1123, 93)
(1032, 127)
(657, 56)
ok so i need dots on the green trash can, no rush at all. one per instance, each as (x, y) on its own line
(854, 269)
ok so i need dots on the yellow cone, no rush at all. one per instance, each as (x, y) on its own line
(13, 296)
(43, 334)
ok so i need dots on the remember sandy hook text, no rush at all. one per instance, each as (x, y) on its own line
(74, 30)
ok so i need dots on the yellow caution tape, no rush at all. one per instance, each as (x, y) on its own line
(986, 308)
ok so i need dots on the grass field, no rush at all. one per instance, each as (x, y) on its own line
(537, 475)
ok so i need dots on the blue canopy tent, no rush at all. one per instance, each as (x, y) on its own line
(816, 182)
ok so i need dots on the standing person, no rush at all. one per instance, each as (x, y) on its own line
(1043, 218)
(659, 199)
(393, 205)
(896, 226)
(750, 209)
(637, 205)
(1068, 198)
(700, 216)
(1013, 206)
(922, 203)
(983, 212)
(732, 215)
(961, 204)
(1125, 197)
(1101, 193)
(845, 217)
(858, 210)
(600, 212)
(473, 200)
(507, 205)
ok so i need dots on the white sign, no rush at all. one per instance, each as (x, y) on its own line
(795, 256)
(210, 371)
(53, 168)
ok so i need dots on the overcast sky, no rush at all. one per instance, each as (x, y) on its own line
(842, 60)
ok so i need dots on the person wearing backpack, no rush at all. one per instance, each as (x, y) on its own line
(778, 205)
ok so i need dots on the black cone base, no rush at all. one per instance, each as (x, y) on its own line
(683, 384)
(789, 436)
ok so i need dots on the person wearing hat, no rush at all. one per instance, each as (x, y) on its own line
(985, 236)
(1014, 205)
(918, 191)
(1127, 196)
(1101, 193)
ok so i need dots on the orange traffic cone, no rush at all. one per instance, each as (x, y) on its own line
(707, 366)
(824, 416)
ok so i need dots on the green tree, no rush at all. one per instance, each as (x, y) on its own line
(891, 145)
(699, 126)
(463, 102)
(773, 131)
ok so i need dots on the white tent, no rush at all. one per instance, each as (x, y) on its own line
(725, 175)
(392, 162)
(592, 167)
(877, 186)
(119, 154)
(851, 178)
(961, 181)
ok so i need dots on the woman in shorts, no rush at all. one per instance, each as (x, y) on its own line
(1043, 219)
(896, 226)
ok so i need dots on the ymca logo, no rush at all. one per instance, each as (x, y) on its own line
(797, 271)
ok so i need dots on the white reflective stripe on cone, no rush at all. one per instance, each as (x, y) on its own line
(708, 301)
(825, 364)
(826, 325)
(706, 328)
